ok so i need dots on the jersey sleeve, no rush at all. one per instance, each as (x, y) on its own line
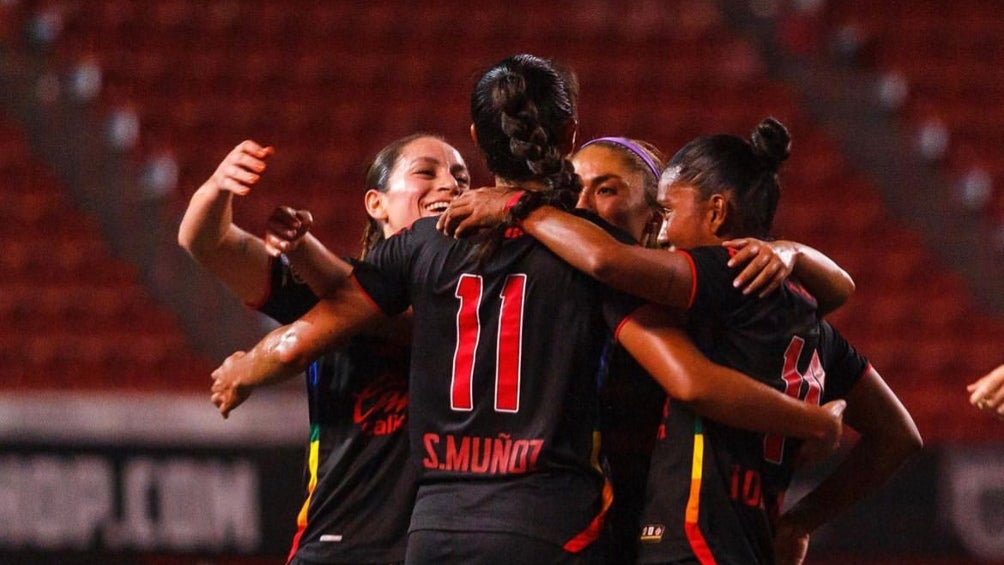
(844, 366)
(288, 296)
(386, 272)
(713, 292)
(617, 307)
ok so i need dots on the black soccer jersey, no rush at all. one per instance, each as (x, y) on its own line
(360, 483)
(631, 405)
(715, 491)
(503, 390)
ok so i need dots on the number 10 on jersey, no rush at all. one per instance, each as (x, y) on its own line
(507, 349)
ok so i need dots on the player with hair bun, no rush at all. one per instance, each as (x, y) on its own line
(506, 349)
(729, 485)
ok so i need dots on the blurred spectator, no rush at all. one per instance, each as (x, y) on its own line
(85, 79)
(932, 139)
(45, 26)
(847, 42)
(893, 89)
(123, 128)
(974, 188)
(160, 175)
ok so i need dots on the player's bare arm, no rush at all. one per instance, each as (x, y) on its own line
(207, 230)
(288, 350)
(655, 275)
(888, 438)
(652, 337)
(644, 272)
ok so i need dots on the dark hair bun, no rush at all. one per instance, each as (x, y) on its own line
(771, 143)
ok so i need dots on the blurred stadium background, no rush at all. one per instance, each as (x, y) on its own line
(114, 111)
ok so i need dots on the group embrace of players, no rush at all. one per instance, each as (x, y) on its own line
(524, 373)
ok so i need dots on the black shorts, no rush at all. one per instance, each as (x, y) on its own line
(437, 547)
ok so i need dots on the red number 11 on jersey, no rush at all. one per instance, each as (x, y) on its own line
(508, 348)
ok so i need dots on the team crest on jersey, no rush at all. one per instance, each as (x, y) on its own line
(381, 407)
(652, 533)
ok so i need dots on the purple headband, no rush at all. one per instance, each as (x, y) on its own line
(630, 146)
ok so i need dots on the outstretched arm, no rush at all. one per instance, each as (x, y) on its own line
(288, 350)
(888, 437)
(821, 276)
(666, 278)
(208, 233)
(236, 257)
(655, 275)
(650, 335)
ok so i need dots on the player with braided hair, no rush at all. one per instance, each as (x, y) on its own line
(506, 350)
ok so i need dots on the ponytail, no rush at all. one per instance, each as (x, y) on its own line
(771, 144)
(746, 171)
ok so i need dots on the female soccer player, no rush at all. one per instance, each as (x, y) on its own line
(360, 483)
(620, 179)
(506, 350)
(729, 484)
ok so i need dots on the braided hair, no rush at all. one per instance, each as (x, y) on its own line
(746, 171)
(522, 109)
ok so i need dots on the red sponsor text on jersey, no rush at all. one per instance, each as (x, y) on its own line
(381, 407)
